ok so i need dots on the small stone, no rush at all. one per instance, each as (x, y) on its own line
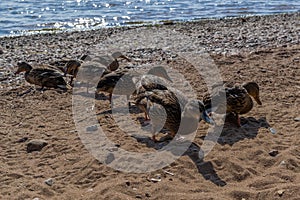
(282, 163)
(36, 145)
(110, 158)
(92, 128)
(280, 192)
(297, 119)
(273, 153)
(167, 172)
(24, 139)
(138, 196)
(49, 181)
(148, 195)
(156, 179)
(273, 131)
(36, 198)
(263, 70)
(1, 51)
(127, 183)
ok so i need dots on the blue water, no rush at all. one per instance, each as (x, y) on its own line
(20, 16)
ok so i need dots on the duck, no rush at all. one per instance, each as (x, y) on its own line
(90, 73)
(168, 110)
(110, 62)
(126, 82)
(43, 77)
(238, 98)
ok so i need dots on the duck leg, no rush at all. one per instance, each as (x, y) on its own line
(154, 138)
(71, 81)
(238, 120)
(147, 119)
(110, 97)
(128, 98)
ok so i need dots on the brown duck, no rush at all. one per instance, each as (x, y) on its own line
(124, 81)
(238, 98)
(166, 110)
(43, 77)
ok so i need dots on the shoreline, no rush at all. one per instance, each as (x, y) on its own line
(139, 24)
(226, 36)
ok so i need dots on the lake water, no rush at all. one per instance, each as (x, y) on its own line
(23, 16)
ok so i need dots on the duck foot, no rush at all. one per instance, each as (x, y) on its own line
(154, 138)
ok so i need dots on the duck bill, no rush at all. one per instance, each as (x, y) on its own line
(206, 118)
(168, 78)
(124, 57)
(258, 100)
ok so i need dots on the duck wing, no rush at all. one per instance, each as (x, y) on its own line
(46, 78)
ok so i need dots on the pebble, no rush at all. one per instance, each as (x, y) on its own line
(110, 158)
(24, 139)
(282, 163)
(280, 192)
(138, 196)
(127, 183)
(273, 131)
(156, 179)
(297, 119)
(49, 181)
(36, 145)
(273, 153)
(92, 128)
(148, 194)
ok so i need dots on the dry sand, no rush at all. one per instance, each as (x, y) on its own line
(262, 49)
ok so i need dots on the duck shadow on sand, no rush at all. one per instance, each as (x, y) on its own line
(194, 152)
(232, 134)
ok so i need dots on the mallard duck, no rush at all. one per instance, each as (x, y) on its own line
(71, 68)
(43, 77)
(90, 72)
(166, 110)
(154, 79)
(111, 61)
(124, 81)
(238, 98)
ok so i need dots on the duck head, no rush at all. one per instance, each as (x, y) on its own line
(253, 90)
(161, 72)
(118, 54)
(23, 67)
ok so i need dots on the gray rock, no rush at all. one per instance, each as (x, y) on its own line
(36, 145)
(297, 119)
(273, 153)
(49, 181)
(92, 128)
(110, 158)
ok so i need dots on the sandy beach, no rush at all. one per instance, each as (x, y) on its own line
(260, 160)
